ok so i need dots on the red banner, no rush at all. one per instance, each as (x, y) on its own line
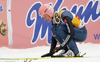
(3, 18)
(26, 29)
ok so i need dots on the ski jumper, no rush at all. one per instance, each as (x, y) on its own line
(67, 29)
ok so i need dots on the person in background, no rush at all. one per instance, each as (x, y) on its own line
(67, 29)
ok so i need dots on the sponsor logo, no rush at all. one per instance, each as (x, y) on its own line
(1, 9)
(43, 28)
(96, 36)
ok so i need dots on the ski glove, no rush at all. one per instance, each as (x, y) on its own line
(56, 49)
(47, 55)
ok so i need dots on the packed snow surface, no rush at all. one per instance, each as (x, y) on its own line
(92, 53)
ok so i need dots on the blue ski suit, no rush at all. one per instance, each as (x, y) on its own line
(68, 31)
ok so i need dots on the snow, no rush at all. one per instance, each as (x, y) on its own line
(92, 52)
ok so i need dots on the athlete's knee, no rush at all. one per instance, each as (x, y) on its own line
(81, 39)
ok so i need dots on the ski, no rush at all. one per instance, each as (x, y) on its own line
(24, 58)
(59, 56)
(36, 58)
(53, 57)
(66, 57)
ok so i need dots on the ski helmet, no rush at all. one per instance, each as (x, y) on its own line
(46, 9)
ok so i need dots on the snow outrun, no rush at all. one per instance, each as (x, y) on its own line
(92, 52)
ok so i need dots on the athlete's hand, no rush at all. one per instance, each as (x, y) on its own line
(47, 55)
(56, 49)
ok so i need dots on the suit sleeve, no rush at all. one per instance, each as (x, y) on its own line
(70, 28)
(53, 44)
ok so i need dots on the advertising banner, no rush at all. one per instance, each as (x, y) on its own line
(3, 19)
(27, 29)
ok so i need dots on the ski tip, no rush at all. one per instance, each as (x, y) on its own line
(24, 58)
